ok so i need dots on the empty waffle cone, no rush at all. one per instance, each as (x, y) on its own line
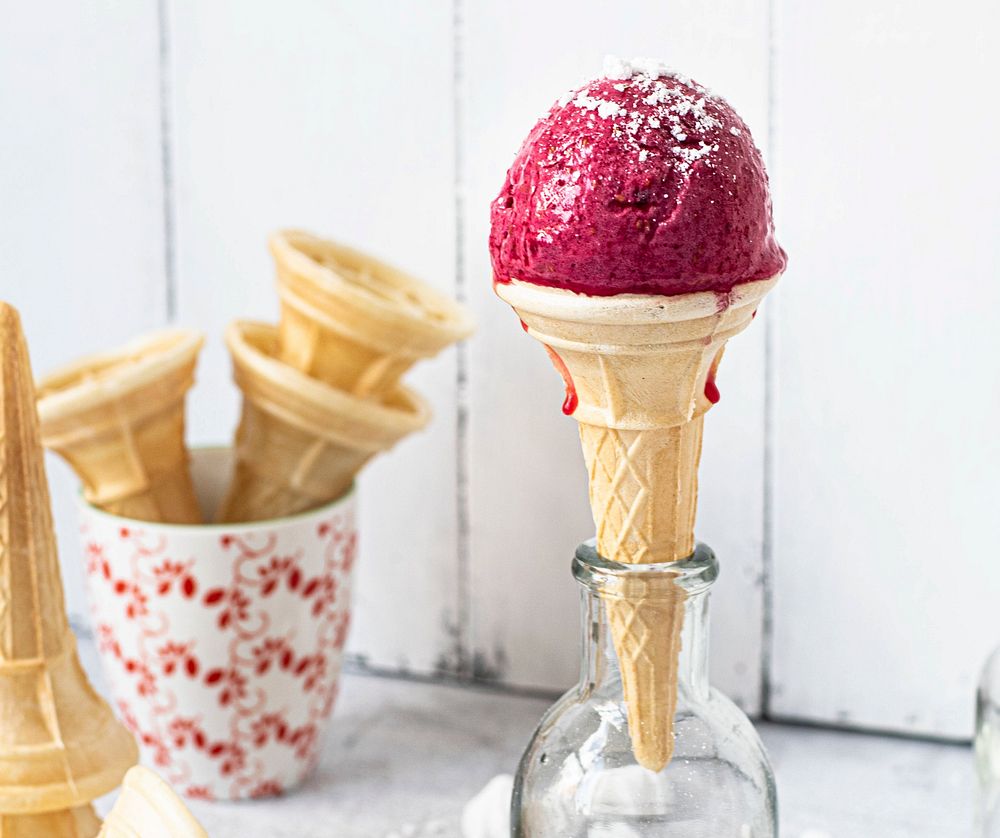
(60, 745)
(148, 808)
(300, 441)
(353, 321)
(81, 822)
(639, 367)
(118, 420)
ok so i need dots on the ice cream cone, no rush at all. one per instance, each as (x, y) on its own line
(81, 822)
(148, 808)
(641, 371)
(300, 441)
(118, 420)
(60, 745)
(353, 321)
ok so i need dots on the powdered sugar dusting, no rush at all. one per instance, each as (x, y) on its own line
(668, 102)
(690, 156)
(605, 108)
(616, 68)
(566, 98)
(619, 68)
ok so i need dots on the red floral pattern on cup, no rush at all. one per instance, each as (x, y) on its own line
(223, 649)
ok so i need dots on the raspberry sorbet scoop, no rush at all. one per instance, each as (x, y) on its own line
(642, 182)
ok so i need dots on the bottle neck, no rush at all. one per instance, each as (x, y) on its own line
(690, 581)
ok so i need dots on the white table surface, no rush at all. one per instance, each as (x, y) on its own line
(403, 757)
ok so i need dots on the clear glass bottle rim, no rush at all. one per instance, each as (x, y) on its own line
(693, 574)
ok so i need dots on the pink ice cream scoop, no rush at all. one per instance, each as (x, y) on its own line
(639, 182)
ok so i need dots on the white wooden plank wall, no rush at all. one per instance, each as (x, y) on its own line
(81, 192)
(527, 483)
(886, 484)
(390, 126)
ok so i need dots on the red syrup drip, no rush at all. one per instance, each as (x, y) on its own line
(711, 388)
(524, 325)
(571, 402)
(754, 314)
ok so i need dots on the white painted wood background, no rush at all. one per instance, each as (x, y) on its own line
(887, 405)
(849, 480)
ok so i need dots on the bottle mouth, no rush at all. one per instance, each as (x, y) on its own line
(693, 575)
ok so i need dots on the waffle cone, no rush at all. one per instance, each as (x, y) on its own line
(300, 441)
(81, 822)
(353, 321)
(638, 366)
(118, 420)
(149, 808)
(60, 745)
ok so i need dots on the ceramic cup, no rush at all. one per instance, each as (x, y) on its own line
(222, 644)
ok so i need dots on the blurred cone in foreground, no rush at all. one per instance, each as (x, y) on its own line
(60, 745)
(640, 375)
(300, 441)
(118, 420)
(353, 321)
(81, 822)
(148, 808)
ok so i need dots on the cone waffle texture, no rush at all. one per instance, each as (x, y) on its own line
(300, 441)
(81, 822)
(646, 619)
(118, 420)
(60, 745)
(639, 366)
(353, 321)
(148, 808)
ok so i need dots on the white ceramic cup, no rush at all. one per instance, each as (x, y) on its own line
(222, 644)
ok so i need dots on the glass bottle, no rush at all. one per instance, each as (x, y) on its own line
(987, 748)
(579, 779)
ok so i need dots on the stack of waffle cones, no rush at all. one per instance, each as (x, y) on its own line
(355, 322)
(118, 420)
(643, 369)
(321, 392)
(301, 441)
(60, 745)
